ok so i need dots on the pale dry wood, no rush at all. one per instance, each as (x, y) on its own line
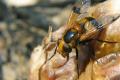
(43, 67)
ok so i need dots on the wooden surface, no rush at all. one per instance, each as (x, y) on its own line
(105, 67)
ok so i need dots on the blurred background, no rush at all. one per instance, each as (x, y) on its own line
(23, 24)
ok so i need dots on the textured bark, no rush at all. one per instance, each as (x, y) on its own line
(43, 67)
(56, 68)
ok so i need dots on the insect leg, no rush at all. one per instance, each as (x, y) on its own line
(53, 54)
(67, 58)
(77, 62)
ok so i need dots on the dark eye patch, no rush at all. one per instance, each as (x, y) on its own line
(69, 36)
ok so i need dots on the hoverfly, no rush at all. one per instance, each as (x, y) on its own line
(77, 37)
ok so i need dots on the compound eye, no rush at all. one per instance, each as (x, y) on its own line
(69, 36)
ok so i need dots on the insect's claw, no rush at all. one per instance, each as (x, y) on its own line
(67, 59)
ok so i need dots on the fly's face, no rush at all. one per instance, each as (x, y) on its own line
(68, 42)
